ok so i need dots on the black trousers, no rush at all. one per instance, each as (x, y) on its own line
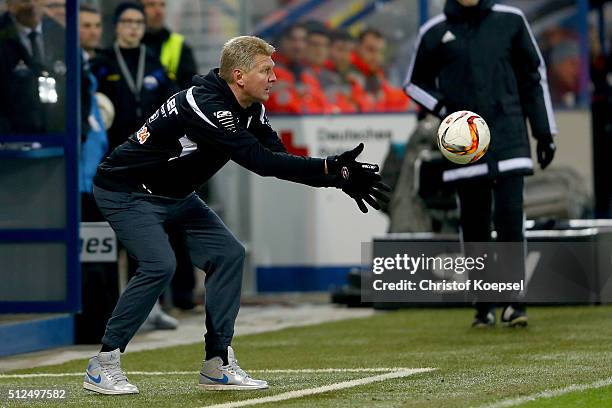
(140, 222)
(486, 203)
(183, 281)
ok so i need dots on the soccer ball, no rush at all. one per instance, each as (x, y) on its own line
(463, 137)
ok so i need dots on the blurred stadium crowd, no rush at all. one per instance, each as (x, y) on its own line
(328, 71)
(319, 70)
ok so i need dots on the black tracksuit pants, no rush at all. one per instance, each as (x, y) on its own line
(486, 203)
(140, 222)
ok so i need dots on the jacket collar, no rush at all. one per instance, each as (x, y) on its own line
(455, 11)
(214, 83)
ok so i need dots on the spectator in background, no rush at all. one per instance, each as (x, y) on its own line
(368, 60)
(561, 51)
(175, 55)
(309, 86)
(340, 50)
(32, 70)
(130, 74)
(90, 29)
(317, 50)
(288, 69)
(564, 68)
(292, 49)
(135, 81)
(94, 141)
(56, 9)
(297, 89)
(341, 86)
(177, 58)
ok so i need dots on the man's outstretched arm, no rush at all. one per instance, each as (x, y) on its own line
(216, 125)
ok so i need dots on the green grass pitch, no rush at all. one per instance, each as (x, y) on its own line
(562, 347)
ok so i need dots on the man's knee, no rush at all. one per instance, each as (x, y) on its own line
(230, 252)
(162, 268)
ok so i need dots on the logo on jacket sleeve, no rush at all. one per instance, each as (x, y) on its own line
(448, 37)
(223, 114)
(226, 119)
(154, 116)
(142, 135)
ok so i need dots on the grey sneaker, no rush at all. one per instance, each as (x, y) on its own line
(104, 375)
(215, 376)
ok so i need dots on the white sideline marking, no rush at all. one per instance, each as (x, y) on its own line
(280, 371)
(318, 390)
(550, 394)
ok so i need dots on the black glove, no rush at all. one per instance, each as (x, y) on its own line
(346, 169)
(360, 181)
(546, 150)
(371, 193)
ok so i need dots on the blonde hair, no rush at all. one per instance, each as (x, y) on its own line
(240, 53)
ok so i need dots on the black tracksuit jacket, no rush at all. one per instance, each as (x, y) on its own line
(484, 59)
(193, 135)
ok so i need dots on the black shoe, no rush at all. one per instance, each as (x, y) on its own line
(514, 316)
(184, 304)
(484, 318)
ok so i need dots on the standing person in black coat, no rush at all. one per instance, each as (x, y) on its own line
(32, 70)
(173, 52)
(130, 75)
(483, 57)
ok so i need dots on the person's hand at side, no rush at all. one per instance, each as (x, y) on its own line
(546, 150)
